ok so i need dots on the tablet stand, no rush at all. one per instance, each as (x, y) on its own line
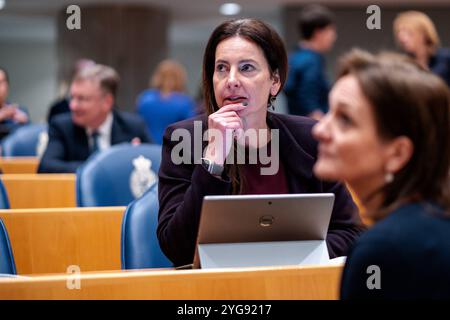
(253, 254)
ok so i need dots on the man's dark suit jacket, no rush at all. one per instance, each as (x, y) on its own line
(68, 145)
(182, 188)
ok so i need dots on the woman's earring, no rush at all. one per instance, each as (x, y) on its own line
(388, 177)
(271, 103)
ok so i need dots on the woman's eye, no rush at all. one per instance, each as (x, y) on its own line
(344, 119)
(220, 67)
(247, 67)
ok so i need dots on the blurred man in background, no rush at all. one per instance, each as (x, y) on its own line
(92, 125)
(62, 104)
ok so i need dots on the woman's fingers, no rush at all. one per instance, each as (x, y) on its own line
(227, 122)
(231, 107)
(225, 114)
(223, 121)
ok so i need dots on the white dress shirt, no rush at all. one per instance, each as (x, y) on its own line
(104, 134)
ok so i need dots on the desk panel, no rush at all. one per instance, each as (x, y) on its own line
(50, 240)
(19, 164)
(40, 190)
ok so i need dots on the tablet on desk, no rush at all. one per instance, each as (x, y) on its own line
(258, 226)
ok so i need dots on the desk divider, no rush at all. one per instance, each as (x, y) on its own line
(53, 240)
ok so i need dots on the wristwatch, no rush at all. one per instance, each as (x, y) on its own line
(213, 168)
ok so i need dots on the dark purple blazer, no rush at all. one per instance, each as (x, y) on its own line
(182, 188)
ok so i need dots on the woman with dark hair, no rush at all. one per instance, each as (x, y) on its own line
(386, 135)
(244, 68)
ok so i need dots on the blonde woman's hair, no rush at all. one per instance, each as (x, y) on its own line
(420, 22)
(170, 76)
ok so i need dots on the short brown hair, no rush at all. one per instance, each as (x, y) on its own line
(107, 77)
(408, 101)
(314, 17)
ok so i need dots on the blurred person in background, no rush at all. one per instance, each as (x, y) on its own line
(416, 35)
(386, 135)
(62, 105)
(11, 114)
(307, 86)
(166, 101)
(93, 123)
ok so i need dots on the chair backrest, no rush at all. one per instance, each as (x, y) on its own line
(140, 247)
(4, 201)
(118, 175)
(24, 141)
(7, 265)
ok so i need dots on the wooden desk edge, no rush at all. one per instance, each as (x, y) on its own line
(169, 272)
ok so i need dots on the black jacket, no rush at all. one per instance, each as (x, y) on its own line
(68, 145)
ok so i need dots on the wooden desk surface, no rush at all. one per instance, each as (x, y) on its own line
(40, 190)
(19, 164)
(51, 240)
(290, 282)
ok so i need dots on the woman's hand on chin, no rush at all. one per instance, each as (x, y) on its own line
(223, 125)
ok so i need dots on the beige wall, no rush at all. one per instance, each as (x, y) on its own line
(132, 39)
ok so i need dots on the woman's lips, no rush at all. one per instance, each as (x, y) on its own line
(323, 152)
(234, 100)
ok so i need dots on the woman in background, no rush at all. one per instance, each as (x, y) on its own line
(417, 35)
(166, 102)
(386, 135)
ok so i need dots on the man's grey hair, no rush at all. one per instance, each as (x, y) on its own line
(107, 77)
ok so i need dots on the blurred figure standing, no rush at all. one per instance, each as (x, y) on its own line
(11, 115)
(417, 35)
(166, 102)
(307, 85)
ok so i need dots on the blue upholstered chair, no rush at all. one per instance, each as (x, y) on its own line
(4, 202)
(118, 175)
(7, 265)
(25, 141)
(140, 246)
